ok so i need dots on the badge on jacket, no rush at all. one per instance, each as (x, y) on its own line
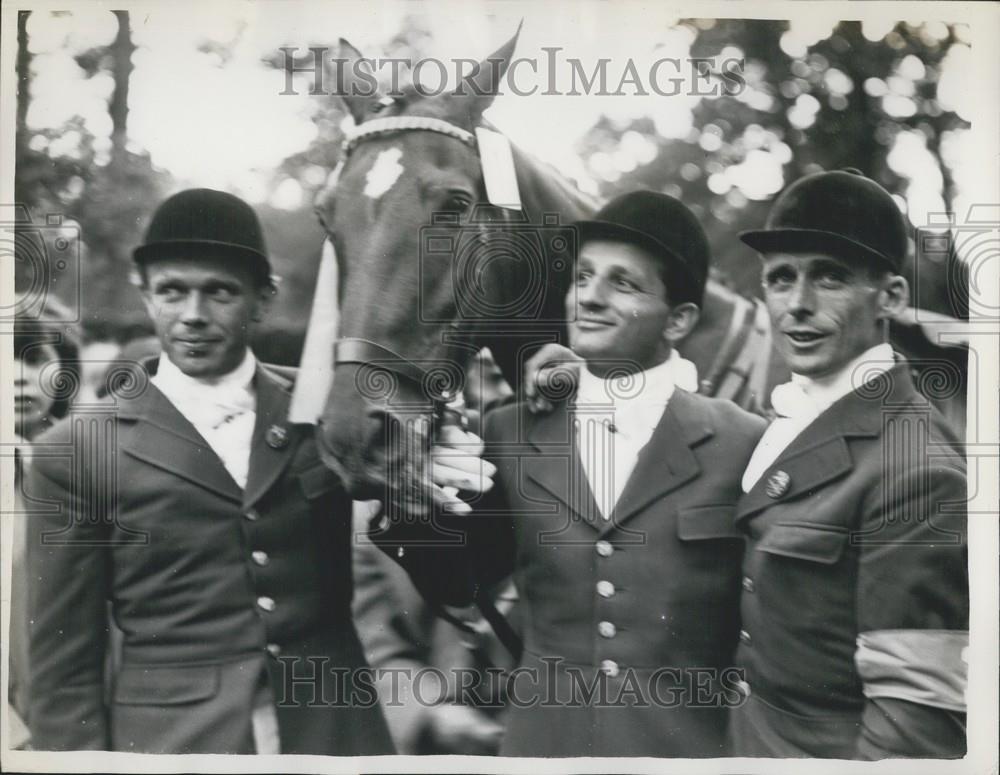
(777, 484)
(277, 437)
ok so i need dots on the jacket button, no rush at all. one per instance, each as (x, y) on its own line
(273, 649)
(748, 585)
(604, 548)
(260, 558)
(610, 667)
(252, 516)
(607, 629)
(744, 688)
(745, 637)
(266, 603)
(605, 589)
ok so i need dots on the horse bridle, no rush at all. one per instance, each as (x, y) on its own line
(353, 350)
(382, 126)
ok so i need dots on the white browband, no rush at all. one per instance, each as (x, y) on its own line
(381, 126)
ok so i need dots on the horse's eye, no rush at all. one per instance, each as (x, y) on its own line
(457, 202)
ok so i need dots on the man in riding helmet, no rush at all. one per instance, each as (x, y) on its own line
(614, 512)
(855, 604)
(210, 526)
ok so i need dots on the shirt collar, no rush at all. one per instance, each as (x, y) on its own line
(806, 395)
(653, 386)
(171, 380)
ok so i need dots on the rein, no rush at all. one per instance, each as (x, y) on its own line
(365, 352)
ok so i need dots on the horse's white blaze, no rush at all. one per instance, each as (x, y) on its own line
(384, 173)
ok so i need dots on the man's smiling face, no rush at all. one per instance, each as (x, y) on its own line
(203, 310)
(619, 309)
(825, 310)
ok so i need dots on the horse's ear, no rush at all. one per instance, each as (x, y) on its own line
(481, 86)
(357, 84)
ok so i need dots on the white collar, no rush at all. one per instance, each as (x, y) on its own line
(172, 381)
(806, 395)
(653, 386)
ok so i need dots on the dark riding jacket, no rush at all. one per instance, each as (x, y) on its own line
(629, 624)
(218, 591)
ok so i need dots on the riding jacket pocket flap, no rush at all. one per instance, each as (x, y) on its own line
(817, 543)
(145, 685)
(700, 523)
(318, 480)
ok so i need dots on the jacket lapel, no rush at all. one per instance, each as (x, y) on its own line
(161, 436)
(667, 461)
(558, 468)
(274, 438)
(820, 453)
(811, 461)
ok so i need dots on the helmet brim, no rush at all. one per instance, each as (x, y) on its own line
(591, 230)
(814, 240)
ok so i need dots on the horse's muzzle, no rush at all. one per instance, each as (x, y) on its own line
(378, 443)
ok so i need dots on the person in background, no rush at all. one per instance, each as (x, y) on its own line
(46, 377)
(46, 369)
(856, 603)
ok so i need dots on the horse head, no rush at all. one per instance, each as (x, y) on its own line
(426, 271)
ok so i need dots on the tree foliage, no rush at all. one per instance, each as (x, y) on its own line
(108, 193)
(841, 102)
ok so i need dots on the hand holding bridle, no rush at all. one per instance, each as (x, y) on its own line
(457, 466)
